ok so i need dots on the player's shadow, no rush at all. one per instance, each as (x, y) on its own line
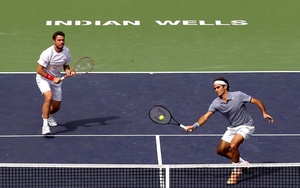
(93, 122)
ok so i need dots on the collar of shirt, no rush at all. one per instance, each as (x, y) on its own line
(229, 97)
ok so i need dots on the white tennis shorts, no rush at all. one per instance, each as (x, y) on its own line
(245, 130)
(46, 85)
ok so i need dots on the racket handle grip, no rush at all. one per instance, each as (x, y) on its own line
(182, 126)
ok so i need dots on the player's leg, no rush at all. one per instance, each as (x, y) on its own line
(45, 89)
(223, 149)
(235, 157)
(234, 148)
(231, 140)
(242, 133)
(47, 104)
(55, 103)
(55, 106)
(50, 107)
(230, 150)
(45, 111)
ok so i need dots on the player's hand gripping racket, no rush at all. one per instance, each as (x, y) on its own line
(161, 115)
(82, 66)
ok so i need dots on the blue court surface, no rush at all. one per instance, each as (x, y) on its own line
(104, 119)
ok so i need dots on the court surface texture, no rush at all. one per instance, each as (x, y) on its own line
(104, 119)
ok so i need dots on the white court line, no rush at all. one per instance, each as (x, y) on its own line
(158, 150)
(146, 135)
(170, 72)
(159, 160)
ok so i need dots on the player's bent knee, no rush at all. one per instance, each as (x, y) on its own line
(233, 147)
(220, 151)
(55, 109)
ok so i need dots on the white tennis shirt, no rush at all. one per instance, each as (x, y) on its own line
(53, 61)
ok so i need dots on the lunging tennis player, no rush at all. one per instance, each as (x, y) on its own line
(50, 64)
(232, 106)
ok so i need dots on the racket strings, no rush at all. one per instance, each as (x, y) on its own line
(84, 65)
(156, 112)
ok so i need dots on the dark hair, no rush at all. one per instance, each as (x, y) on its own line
(58, 33)
(223, 79)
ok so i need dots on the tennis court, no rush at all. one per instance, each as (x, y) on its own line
(110, 124)
(148, 53)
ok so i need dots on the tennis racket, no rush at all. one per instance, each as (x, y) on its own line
(162, 116)
(82, 66)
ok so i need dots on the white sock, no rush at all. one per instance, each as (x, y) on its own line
(242, 161)
(45, 122)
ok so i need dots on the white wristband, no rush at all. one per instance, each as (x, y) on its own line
(196, 125)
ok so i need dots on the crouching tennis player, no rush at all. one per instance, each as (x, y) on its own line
(232, 106)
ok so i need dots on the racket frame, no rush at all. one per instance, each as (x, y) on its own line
(80, 73)
(171, 117)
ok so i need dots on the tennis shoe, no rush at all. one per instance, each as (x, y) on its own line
(244, 169)
(51, 121)
(45, 130)
(233, 179)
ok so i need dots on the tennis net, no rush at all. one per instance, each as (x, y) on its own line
(281, 175)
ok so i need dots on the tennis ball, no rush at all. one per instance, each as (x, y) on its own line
(161, 117)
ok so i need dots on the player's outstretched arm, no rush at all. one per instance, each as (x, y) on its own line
(201, 121)
(261, 106)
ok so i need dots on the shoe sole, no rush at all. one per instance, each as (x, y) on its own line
(46, 133)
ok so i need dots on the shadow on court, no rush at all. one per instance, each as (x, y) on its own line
(72, 126)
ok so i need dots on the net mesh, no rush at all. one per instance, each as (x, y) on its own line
(120, 176)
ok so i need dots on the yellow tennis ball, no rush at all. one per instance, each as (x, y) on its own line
(161, 117)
